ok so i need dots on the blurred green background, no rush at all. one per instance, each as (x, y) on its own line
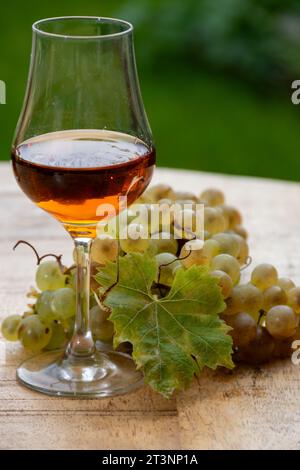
(215, 76)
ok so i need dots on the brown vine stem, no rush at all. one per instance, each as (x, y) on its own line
(38, 257)
(107, 291)
(261, 314)
(247, 264)
(170, 262)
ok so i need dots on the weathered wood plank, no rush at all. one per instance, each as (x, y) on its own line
(254, 408)
(88, 432)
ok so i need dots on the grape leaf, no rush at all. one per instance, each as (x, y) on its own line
(174, 337)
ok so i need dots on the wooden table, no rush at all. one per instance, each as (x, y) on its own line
(252, 408)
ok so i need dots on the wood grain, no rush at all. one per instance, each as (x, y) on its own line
(253, 408)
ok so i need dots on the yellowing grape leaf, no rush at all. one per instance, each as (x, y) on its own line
(174, 337)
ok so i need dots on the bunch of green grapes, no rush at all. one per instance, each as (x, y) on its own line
(264, 316)
(176, 244)
(49, 322)
(46, 325)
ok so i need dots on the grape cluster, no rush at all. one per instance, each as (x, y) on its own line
(224, 251)
(263, 314)
(48, 323)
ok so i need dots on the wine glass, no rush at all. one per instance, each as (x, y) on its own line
(82, 139)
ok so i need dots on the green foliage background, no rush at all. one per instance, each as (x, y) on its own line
(215, 76)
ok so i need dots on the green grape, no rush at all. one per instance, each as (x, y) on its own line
(260, 349)
(102, 328)
(207, 235)
(190, 203)
(198, 256)
(166, 201)
(281, 321)
(244, 298)
(167, 273)
(190, 257)
(94, 285)
(28, 313)
(224, 282)
(185, 196)
(71, 278)
(63, 303)
(34, 334)
(226, 223)
(243, 253)
(185, 224)
(97, 317)
(212, 197)
(231, 215)
(157, 192)
(241, 231)
(228, 264)
(293, 298)
(214, 221)
(58, 337)
(68, 326)
(163, 242)
(274, 295)
(264, 275)
(43, 306)
(152, 248)
(10, 327)
(285, 283)
(104, 249)
(228, 243)
(107, 332)
(49, 276)
(243, 328)
(211, 248)
(132, 239)
(176, 268)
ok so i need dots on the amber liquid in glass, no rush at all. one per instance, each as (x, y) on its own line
(71, 173)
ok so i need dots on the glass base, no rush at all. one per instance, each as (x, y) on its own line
(104, 374)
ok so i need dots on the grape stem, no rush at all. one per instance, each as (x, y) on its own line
(107, 291)
(38, 257)
(68, 270)
(261, 314)
(32, 293)
(100, 303)
(187, 230)
(247, 264)
(170, 262)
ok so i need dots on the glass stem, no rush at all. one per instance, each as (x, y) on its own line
(82, 344)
